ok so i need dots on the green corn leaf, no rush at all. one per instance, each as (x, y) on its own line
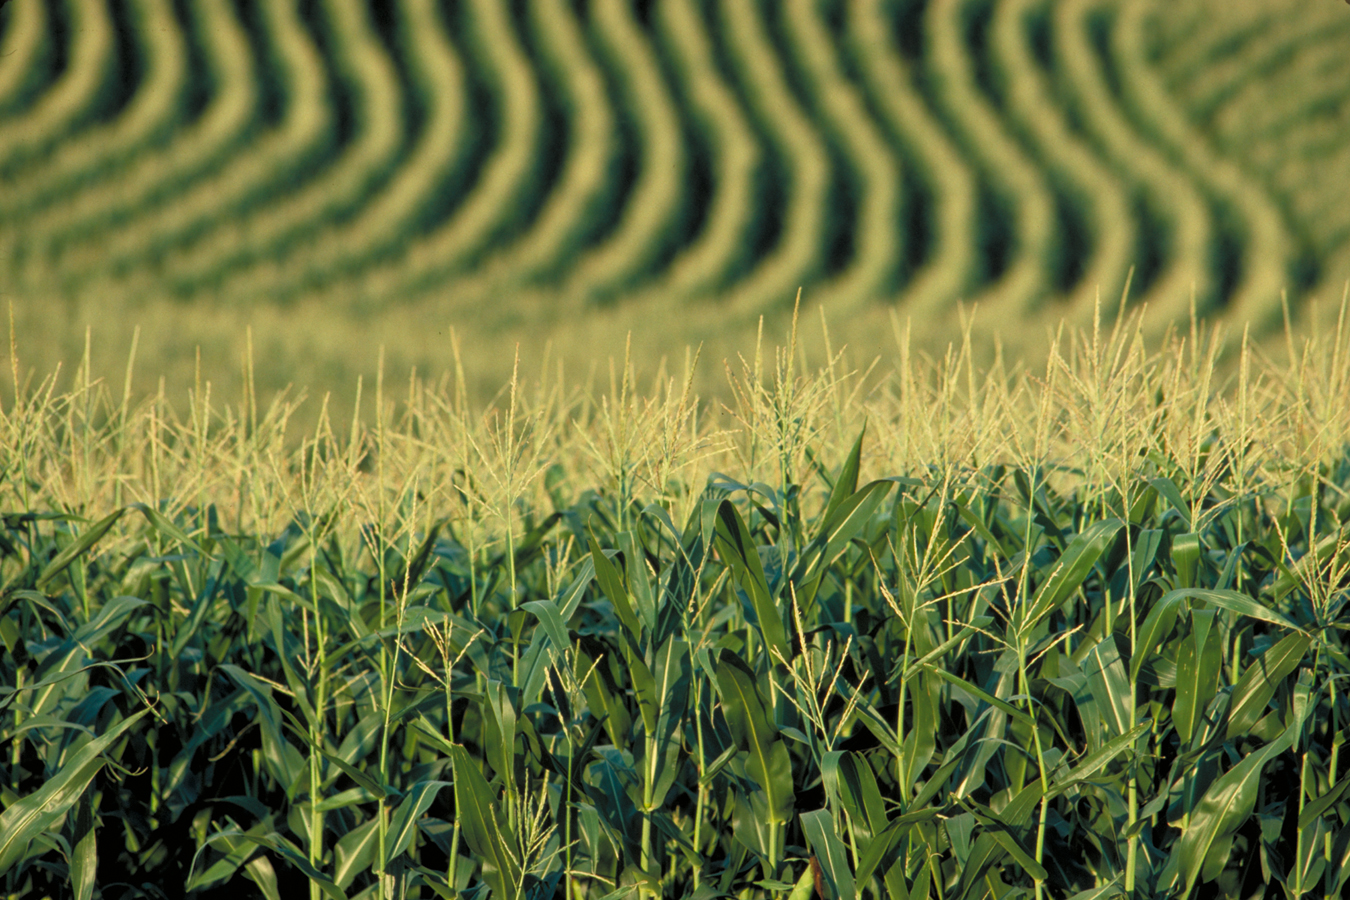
(805, 888)
(1198, 664)
(604, 699)
(921, 741)
(206, 598)
(1168, 489)
(895, 882)
(671, 680)
(403, 823)
(1001, 705)
(737, 546)
(24, 820)
(830, 854)
(1257, 685)
(299, 688)
(639, 581)
(168, 528)
(612, 584)
(278, 845)
(1222, 811)
(110, 617)
(84, 849)
(1106, 678)
(1157, 625)
(851, 516)
(499, 729)
(539, 657)
(570, 598)
(71, 657)
(1242, 605)
(1071, 569)
(856, 787)
(1094, 762)
(370, 785)
(551, 619)
(769, 763)
(260, 872)
(1186, 558)
(941, 650)
(1004, 837)
(1100, 893)
(846, 484)
(482, 827)
(1315, 809)
(77, 548)
(283, 761)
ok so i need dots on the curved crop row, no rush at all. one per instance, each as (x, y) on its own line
(489, 213)
(718, 253)
(328, 251)
(1096, 193)
(213, 206)
(1018, 262)
(796, 256)
(545, 161)
(1264, 255)
(73, 99)
(642, 236)
(22, 52)
(948, 269)
(571, 213)
(877, 241)
(150, 115)
(1214, 80)
(159, 175)
(1183, 271)
(265, 237)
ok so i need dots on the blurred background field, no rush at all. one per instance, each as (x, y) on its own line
(333, 179)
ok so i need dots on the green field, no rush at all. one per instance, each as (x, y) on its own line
(404, 494)
(340, 176)
(929, 632)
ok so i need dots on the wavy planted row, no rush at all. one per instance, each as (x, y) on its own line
(1022, 154)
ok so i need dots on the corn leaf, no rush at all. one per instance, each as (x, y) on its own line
(25, 820)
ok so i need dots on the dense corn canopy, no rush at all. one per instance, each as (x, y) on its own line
(930, 632)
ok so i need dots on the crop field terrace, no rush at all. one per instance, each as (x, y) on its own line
(959, 633)
(1048, 601)
(343, 175)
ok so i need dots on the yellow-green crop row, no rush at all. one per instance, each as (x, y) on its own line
(75, 96)
(642, 235)
(569, 215)
(1093, 189)
(1265, 245)
(718, 254)
(262, 241)
(947, 177)
(160, 173)
(385, 205)
(150, 116)
(930, 630)
(1026, 207)
(22, 55)
(216, 208)
(488, 214)
(1184, 269)
(545, 171)
(878, 243)
(796, 145)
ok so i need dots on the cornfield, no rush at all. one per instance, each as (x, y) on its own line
(919, 630)
(341, 174)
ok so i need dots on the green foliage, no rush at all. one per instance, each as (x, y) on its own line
(338, 176)
(1063, 662)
